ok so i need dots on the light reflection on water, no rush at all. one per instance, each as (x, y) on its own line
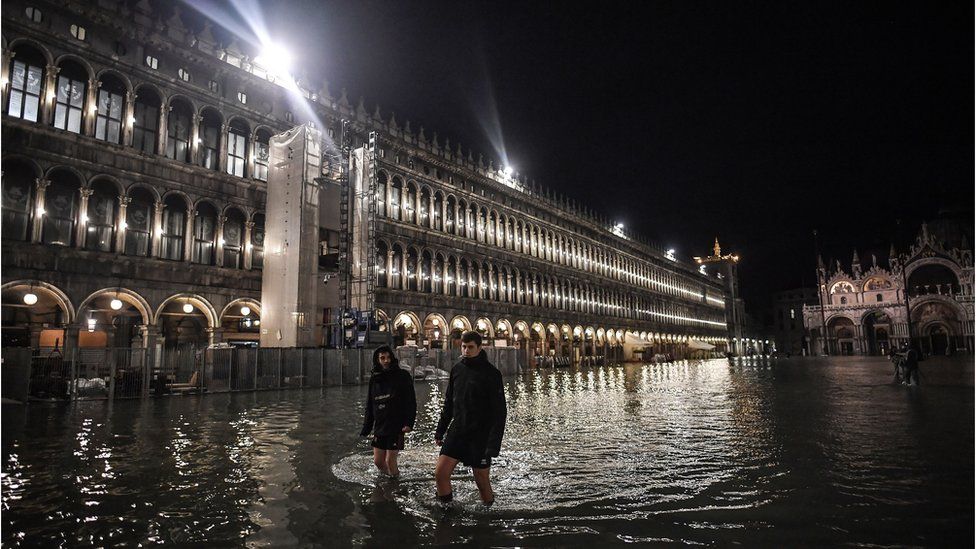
(789, 452)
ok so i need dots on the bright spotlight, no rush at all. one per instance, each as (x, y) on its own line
(245, 310)
(275, 59)
(508, 171)
(30, 298)
(116, 304)
(187, 308)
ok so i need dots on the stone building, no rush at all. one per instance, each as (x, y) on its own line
(866, 309)
(786, 322)
(135, 162)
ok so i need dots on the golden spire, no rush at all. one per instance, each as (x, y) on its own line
(718, 249)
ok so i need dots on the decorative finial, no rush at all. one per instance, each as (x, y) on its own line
(717, 249)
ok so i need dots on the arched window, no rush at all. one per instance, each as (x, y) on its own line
(426, 272)
(437, 275)
(18, 185)
(60, 205)
(26, 83)
(412, 276)
(396, 268)
(424, 219)
(450, 222)
(257, 242)
(438, 206)
(174, 228)
(409, 203)
(262, 153)
(396, 198)
(100, 233)
(108, 116)
(843, 300)
(879, 298)
(381, 181)
(452, 276)
(204, 233)
(178, 131)
(234, 240)
(210, 139)
(138, 223)
(70, 98)
(464, 282)
(237, 147)
(382, 269)
(145, 127)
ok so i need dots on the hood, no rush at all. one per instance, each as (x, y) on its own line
(394, 362)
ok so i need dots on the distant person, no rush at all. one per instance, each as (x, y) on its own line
(896, 358)
(391, 409)
(910, 365)
(472, 422)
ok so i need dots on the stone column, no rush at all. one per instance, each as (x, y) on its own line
(121, 225)
(156, 238)
(444, 284)
(195, 139)
(7, 58)
(90, 109)
(215, 335)
(222, 148)
(404, 281)
(248, 228)
(188, 235)
(51, 93)
(128, 118)
(70, 339)
(508, 287)
(389, 268)
(162, 133)
(417, 199)
(219, 244)
(480, 282)
(252, 142)
(81, 224)
(40, 189)
(35, 335)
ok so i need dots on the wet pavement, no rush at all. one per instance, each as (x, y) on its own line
(784, 452)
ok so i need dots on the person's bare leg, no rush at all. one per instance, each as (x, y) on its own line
(391, 463)
(442, 474)
(379, 459)
(482, 480)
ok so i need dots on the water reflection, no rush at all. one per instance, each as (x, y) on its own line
(809, 452)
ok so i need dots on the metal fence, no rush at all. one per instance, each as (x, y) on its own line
(119, 373)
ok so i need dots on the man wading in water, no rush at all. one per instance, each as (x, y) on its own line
(473, 420)
(391, 406)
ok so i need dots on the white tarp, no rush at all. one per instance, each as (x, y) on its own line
(695, 344)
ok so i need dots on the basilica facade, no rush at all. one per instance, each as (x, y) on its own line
(135, 165)
(924, 294)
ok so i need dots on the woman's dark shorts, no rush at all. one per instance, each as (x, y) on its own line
(470, 453)
(392, 442)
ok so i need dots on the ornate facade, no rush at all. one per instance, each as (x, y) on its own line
(866, 311)
(135, 162)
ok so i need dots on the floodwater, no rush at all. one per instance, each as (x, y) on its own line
(784, 452)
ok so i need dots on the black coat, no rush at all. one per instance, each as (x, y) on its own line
(391, 403)
(474, 405)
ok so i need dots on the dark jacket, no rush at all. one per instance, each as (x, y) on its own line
(391, 403)
(474, 405)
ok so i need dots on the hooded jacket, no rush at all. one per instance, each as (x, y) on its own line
(391, 403)
(474, 405)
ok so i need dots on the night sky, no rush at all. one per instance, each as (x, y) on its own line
(753, 122)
